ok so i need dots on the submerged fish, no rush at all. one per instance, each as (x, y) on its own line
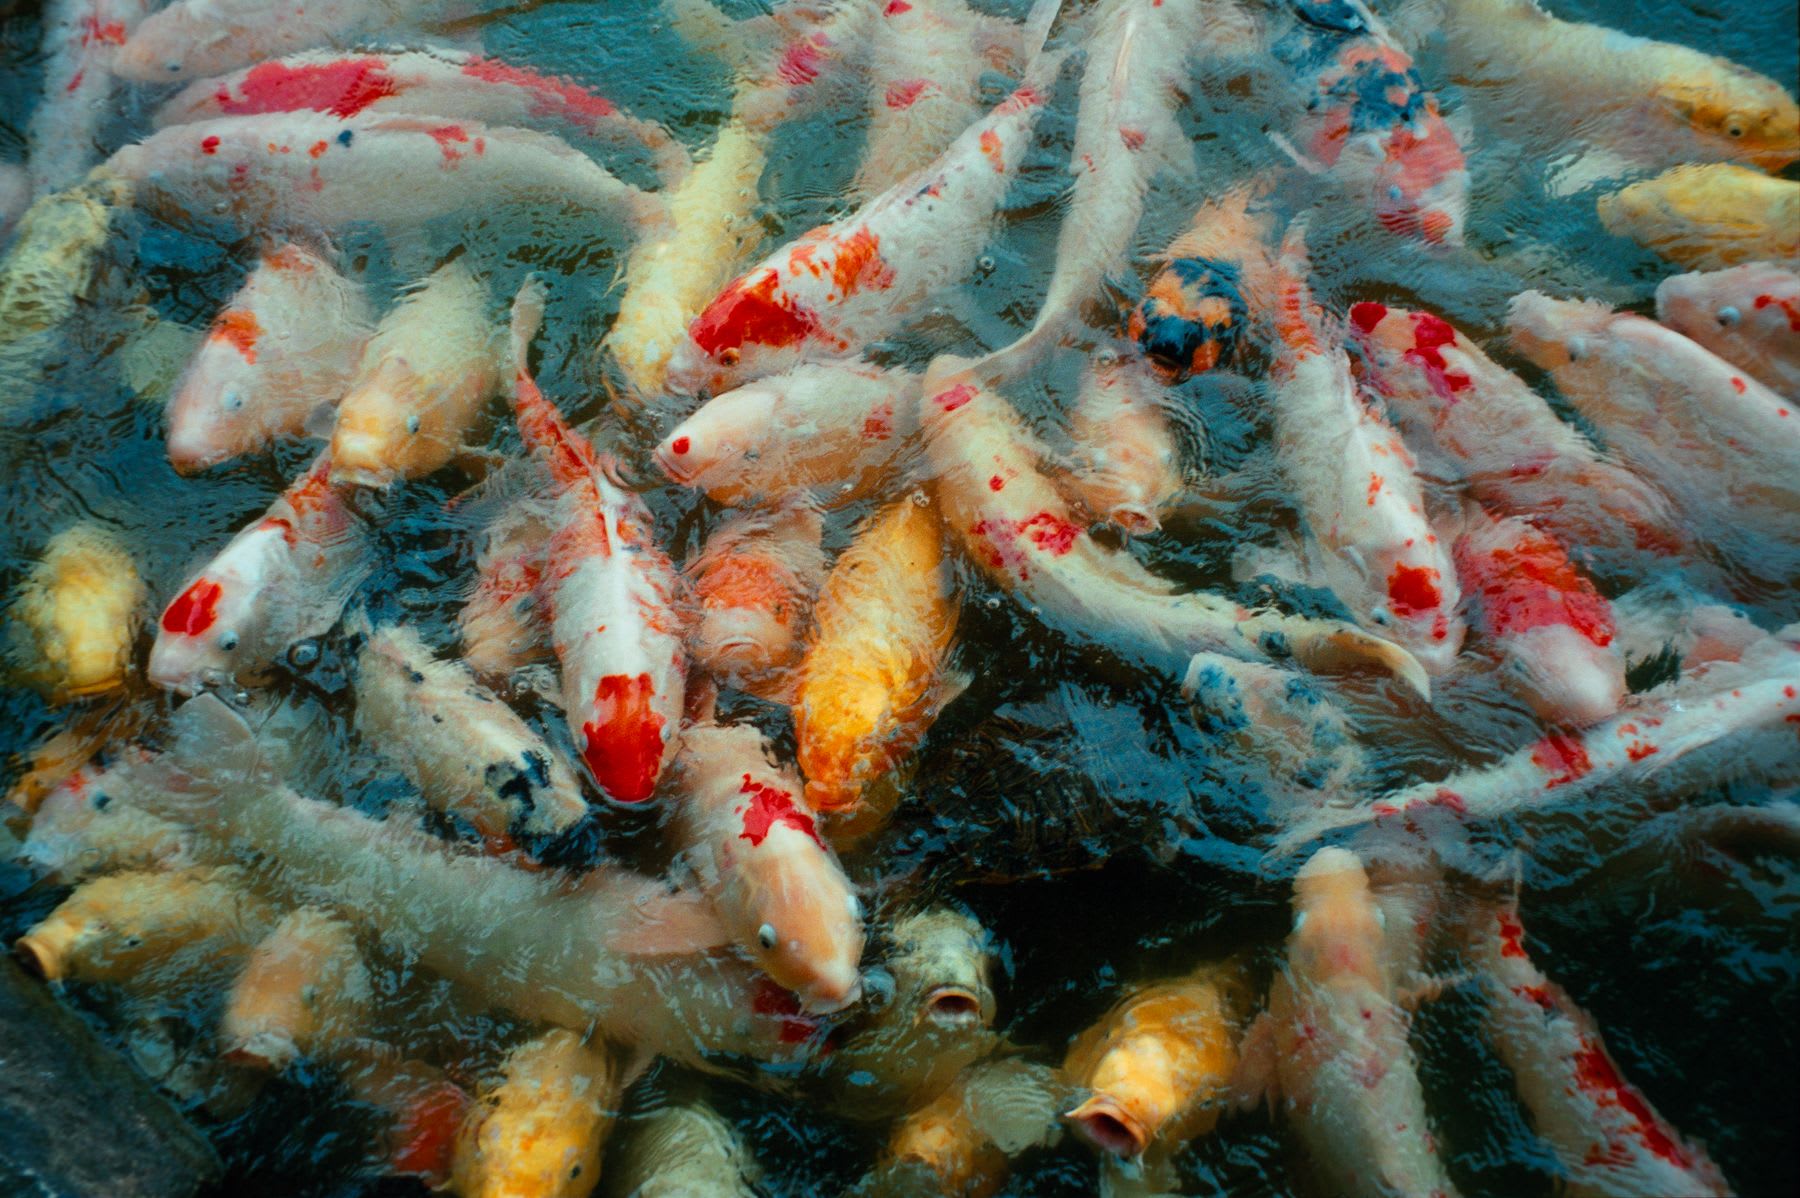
(755, 581)
(538, 1132)
(304, 991)
(82, 40)
(1708, 217)
(1748, 315)
(79, 830)
(74, 616)
(1127, 467)
(499, 622)
(1194, 312)
(683, 1151)
(962, 1142)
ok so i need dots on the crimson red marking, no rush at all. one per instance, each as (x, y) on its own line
(768, 806)
(1536, 994)
(1737, 385)
(752, 313)
(1050, 532)
(679, 445)
(1563, 756)
(1638, 750)
(879, 424)
(342, 88)
(903, 93)
(1595, 1074)
(1133, 138)
(1533, 584)
(1367, 315)
(1512, 935)
(955, 397)
(1374, 487)
(1430, 335)
(195, 609)
(895, 8)
(549, 96)
(623, 742)
(448, 137)
(799, 63)
(424, 1135)
(209, 145)
(1413, 590)
(996, 483)
(1450, 801)
(770, 999)
(1786, 305)
(112, 33)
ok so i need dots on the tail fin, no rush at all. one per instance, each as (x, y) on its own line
(526, 319)
(1036, 30)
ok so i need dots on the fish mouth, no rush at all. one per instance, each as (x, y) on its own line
(1108, 1126)
(264, 1050)
(952, 1007)
(39, 957)
(665, 458)
(825, 1004)
(1134, 518)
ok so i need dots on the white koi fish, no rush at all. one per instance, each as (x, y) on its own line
(431, 82)
(775, 882)
(281, 580)
(282, 350)
(79, 829)
(316, 170)
(1471, 420)
(1014, 525)
(80, 48)
(1127, 464)
(1608, 1140)
(1748, 315)
(844, 284)
(1724, 447)
(611, 596)
(1332, 1052)
(1357, 487)
(832, 429)
(1553, 629)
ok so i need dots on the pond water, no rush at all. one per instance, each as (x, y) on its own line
(1069, 799)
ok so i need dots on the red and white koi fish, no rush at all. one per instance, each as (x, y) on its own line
(281, 580)
(755, 582)
(774, 881)
(1373, 127)
(611, 594)
(1658, 618)
(1126, 135)
(1723, 718)
(792, 61)
(193, 39)
(1552, 628)
(424, 378)
(499, 623)
(1127, 464)
(925, 60)
(1608, 1140)
(282, 350)
(1332, 1051)
(80, 48)
(1748, 315)
(434, 82)
(1357, 487)
(829, 428)
(1724, 447)
(844, 284)
(1014, 525)
(1468, 419)
(308, 169)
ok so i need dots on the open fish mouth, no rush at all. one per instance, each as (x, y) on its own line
(952, 1007)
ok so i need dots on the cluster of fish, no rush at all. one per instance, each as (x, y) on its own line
(767, 697)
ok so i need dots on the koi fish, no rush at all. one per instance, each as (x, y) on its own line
(1127, 465)
(114, 927)
(1607, 1138)
(755, 581)
(79, 831)
(283, 349)
(1374, 129)
(80, 745)
(1158, 1065)
(315, 170)
(469, 754)
(75, 614)
(1013, 525)
(192, 39)
(1708, 217)
(829, 428)
(1722, 445)
(873, 677)
(303, 992)
(1194, 312)
(499, 624)
(424, 378)
(775, 883)
(1333, 1051)
(1656, 618)
(434, 82)
(844, 284)
(1553, 630)
(1748, 315)
(81, 43)
(1357, 487)
(963, 1141)
(610, 594)
(1656, 103)
(279, 581)
(681, 1151)
(1471, 420)
(539, 1131)
(51, 262)
(1722, 718)
(1126, 135)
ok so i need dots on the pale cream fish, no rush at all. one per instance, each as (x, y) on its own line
(499, 622)
(88, 825)
(73, 618)
(303, 992)
(682, 1151)
(963, 1141)
(1748, 315)
(1126, 459)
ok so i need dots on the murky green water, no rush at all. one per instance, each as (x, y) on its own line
(1067, 799)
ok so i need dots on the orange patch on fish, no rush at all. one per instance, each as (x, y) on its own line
(238, 327)
(990, 145)
(858, 265)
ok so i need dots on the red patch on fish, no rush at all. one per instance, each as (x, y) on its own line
(448, 138)
(895, 8)
(1638, 750)
(105, 33)
(1374, 487)
(1133, 138)
(1051, 532)
(752, 313)
(1597, 1077)
(1413, 590)
(209, 145)
(1366, 315)
(768, 806)
(858, 265)
(1533, 584)
(342, 88)
(1430, 335)
(1786, 305)
(679, 445)
(799, 63)
(1449, 800)
(623, 743)
(990, 145)
(878, 425)
(1536, 994)
(903, 93)
(1512, 934)
(238, 327)
(770, 999)
(549, 96)
(996, 483)
(195, 609)
(424, 1134)
(1562, 756)
(955, 397)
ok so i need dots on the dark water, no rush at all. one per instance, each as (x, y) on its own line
(1067, 799)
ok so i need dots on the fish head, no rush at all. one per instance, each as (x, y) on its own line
(1415, 604)
(1421, 186)
(214, 415)
(382, 431)
(739, 641)
(1191, 317)
(1748, 116)
(1553, 333)
(1339, 929)
(807, 933)
(749, 330)
(215, 629)
(942, 969)
(723, 430)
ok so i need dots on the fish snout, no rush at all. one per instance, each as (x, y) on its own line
(953, 1007)
(832, 991)
(1104, 1122)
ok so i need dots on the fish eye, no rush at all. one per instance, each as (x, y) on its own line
(1299, 921)
(412, 423)
(1734, 128)
(729, 356)
(1394, 192)
(228, 641)
(1380, 917)
(1729, 315)
(1577, 349)
(856, 907)
(304, 654)
(765, 935)
(233, 401)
